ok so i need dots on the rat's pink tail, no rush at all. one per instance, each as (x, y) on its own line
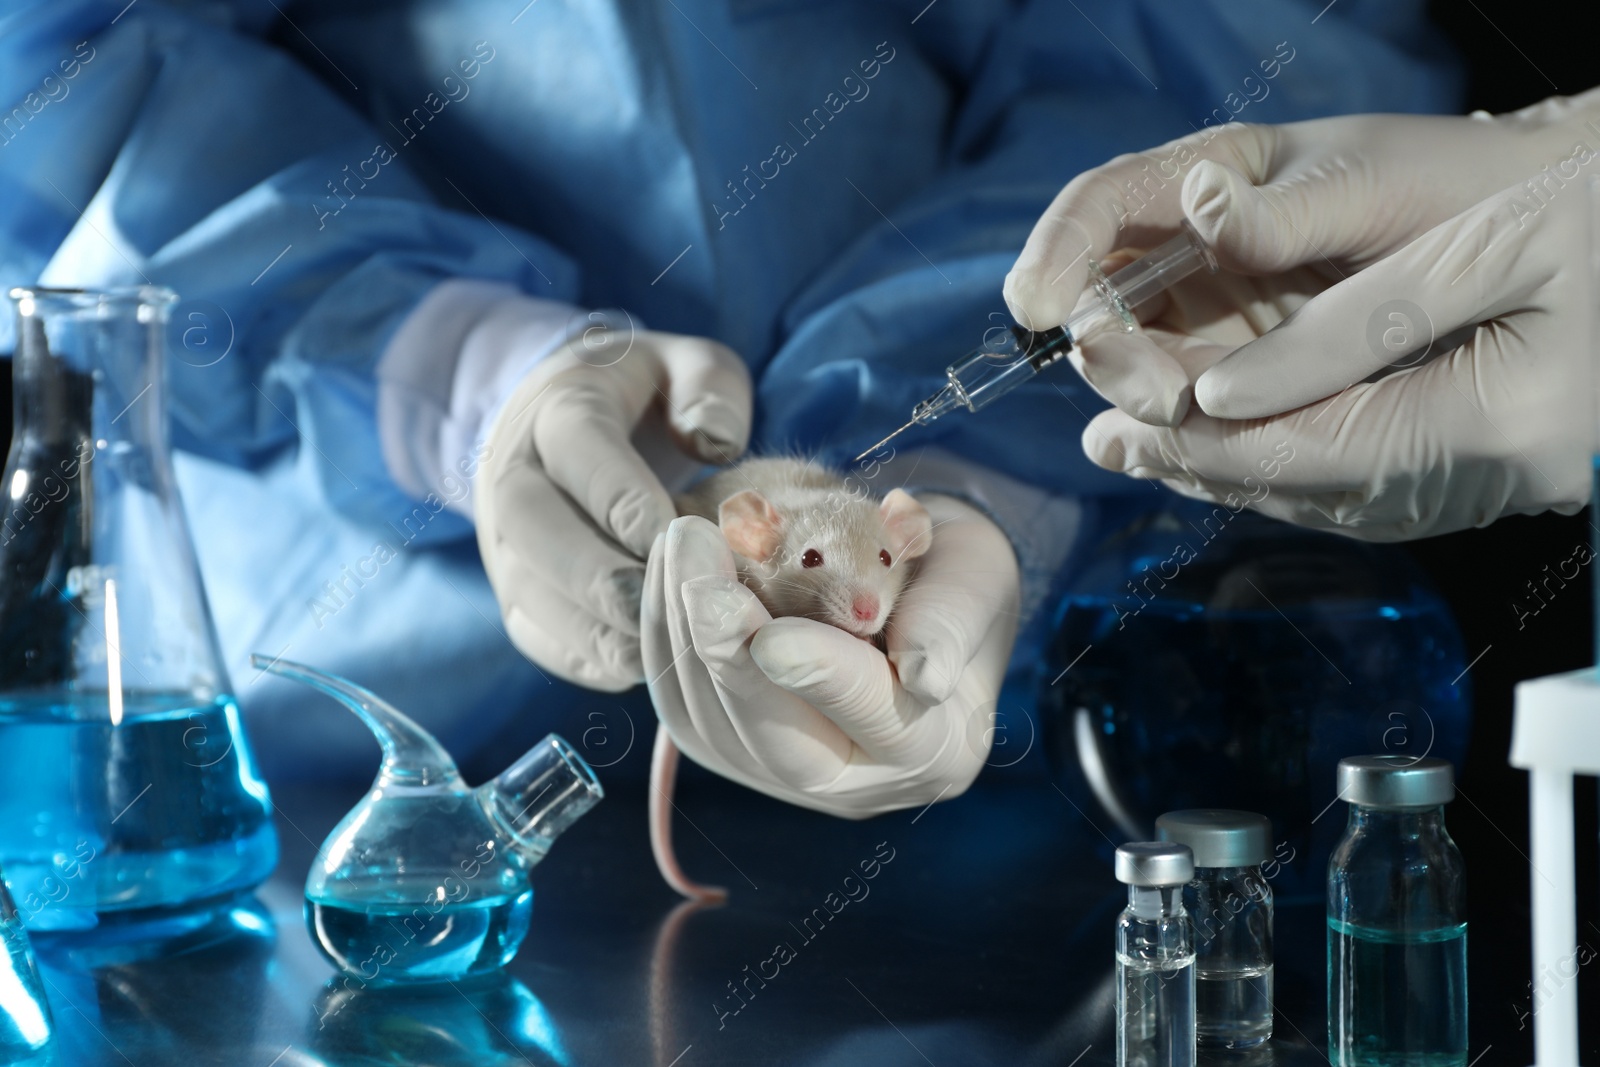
(663, 778)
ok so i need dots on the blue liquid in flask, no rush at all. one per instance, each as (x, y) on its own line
(127, 783)
(1403, 994)
(426, 880)
(438, 940)
(162, 809)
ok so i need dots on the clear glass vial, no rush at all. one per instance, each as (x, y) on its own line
(1230, 908)
(1397, 919)
(1155, 957)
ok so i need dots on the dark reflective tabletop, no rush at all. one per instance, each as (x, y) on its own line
(983, 936)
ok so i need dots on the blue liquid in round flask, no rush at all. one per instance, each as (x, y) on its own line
(129, 784)
(1397, 920)
(427, 880)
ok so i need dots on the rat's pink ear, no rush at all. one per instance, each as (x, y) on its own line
(907, 523)
(752, 525)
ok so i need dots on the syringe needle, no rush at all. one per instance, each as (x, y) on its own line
(885, 441)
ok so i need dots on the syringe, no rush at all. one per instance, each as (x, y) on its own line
(982, 377)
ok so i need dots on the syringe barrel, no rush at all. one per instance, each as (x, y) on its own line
(1162, 267)
(982, 378)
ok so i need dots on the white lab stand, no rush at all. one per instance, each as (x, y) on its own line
(1556, 735)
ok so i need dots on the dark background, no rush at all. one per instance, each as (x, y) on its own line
(1481, 574)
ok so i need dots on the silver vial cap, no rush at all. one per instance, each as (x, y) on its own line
(1219, 837)
(1396, 781)
(1154, 863)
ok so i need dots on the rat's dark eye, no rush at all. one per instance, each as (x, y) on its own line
(883, 556)
(812, 558)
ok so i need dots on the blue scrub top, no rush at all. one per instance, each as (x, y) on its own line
(835, 190)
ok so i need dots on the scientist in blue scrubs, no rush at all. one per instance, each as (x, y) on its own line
(407, 430)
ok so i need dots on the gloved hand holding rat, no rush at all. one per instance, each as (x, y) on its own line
(567, 506)
(778, 685)
(1428, 274)
(803, 707)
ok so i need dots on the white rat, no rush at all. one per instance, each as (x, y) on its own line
(807, 545)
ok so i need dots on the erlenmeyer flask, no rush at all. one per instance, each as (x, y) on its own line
(127, 780)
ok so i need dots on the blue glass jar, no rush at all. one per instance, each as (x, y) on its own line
(1211, 659)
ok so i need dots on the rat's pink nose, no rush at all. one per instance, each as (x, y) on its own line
(864, 607)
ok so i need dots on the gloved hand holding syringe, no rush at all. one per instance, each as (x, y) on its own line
(984, 376)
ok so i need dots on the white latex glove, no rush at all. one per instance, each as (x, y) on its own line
(807, 713)
(567, 506)
(1503, 424)
(1287, 209)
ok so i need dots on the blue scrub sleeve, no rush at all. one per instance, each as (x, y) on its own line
(1049, 91)
(146, 145)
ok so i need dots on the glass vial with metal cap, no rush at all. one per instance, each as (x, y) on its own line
(1155, 957)
(1397, 919)
(1230, 907)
